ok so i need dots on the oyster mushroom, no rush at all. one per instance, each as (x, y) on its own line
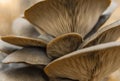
(23, 74)
(24, 41)
(106, 34)
(66, 16)
(70, 42)
(107, 16)
(89, 64)
(8, 48)
(33, 56)
(115, 15)
(22, 27)
(67, 23)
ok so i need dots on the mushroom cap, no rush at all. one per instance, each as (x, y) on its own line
(8, 48)
(22, 74)
(34, 56)
(103, 18)
(24, 41)
(66, 16)
(22, 27)
(2, 56)
(63, 44)
(89, 64)
(106, 34)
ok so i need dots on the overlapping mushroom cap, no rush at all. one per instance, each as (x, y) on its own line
(23, 74)
(74, 45)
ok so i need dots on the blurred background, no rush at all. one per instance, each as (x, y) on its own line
(10, 10)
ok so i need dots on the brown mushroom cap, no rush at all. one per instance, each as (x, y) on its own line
(34, 56)
(106, 34)
(22, 74)
(24, 41)
(103, 18)
(63, 44)
(66, 16)
(89, 64)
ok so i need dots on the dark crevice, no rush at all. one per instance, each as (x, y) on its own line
(100, 22)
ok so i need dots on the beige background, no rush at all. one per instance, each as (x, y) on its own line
(10, 11)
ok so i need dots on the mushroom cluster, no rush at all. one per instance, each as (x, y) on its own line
(76, 42)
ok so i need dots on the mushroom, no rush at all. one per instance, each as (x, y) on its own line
(2, 56)
(24, 41)
(115, 15)
(8, 48)
(33, 56)
(103, 18)
(64, 26)
(63, 44)
(63, 17)
(88, 64)
(106, 34)
(23, 74)
(22, 27)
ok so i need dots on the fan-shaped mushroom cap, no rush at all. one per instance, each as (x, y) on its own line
(34, 56)
(89, 64)
(106, 34)
(22, 74)
(57, 17)
(24, 41)
(22, 27)
(103, 18)
(8, 48)
(63, 44)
